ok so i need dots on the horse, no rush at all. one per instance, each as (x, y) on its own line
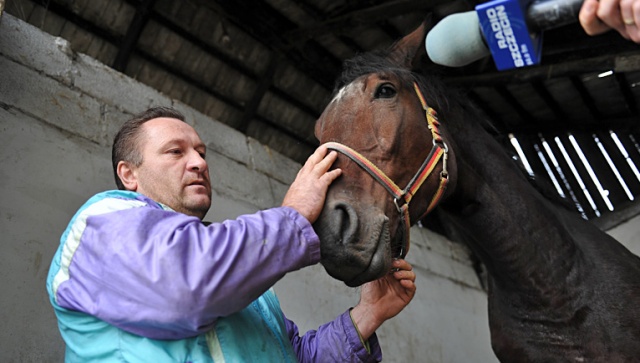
(559, 289)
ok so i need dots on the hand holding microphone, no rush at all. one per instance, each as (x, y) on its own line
(597, 17)
(514, 38)
(502, 28)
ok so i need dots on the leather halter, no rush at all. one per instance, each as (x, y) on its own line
(402, 197)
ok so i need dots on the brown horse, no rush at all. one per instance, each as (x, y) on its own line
(560, 290)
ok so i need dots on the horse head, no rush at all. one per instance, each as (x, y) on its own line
(395, 161)
(559, 289)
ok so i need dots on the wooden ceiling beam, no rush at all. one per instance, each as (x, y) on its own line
(548, 99)
(128, 43)
(266, 81)
(365, 16)
(627, 94)
(625, 62)
(267, 25)
(563, 126)
(586, 98)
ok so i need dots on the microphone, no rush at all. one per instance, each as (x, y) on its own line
(502, 28)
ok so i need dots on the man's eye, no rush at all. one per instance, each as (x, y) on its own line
(175, 151)
(203, 155)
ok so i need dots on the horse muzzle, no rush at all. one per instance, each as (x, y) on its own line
(354, 242)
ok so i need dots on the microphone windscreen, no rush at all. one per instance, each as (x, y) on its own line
(456, 40)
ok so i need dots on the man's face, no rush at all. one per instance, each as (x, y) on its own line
(173, 170)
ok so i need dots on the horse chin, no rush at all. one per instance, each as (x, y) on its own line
(361, 258)
(379, 264)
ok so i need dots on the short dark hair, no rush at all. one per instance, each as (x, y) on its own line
(125, 144)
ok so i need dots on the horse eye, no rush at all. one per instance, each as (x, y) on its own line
(385, 90)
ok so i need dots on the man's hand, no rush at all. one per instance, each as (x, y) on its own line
(309, 190)
(597, 17)
(384, 298)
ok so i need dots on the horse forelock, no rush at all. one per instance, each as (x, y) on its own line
(368, 63)
(381, 62)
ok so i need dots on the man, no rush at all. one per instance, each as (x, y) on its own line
(139, 277)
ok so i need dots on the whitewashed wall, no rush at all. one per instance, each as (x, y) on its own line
(628, 233)
(58, 113)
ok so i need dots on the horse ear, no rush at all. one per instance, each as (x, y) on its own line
(407, 51)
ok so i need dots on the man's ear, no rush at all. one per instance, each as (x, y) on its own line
(127, 175)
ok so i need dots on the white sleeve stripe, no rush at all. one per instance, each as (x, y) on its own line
(72, 241)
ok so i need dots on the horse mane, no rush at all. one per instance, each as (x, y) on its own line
(375, 61)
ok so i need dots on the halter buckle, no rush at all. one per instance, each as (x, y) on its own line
(444, 173)
(441, 143)
(398, 208)
(400, 255)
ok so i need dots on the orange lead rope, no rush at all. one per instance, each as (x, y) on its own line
(402, 197)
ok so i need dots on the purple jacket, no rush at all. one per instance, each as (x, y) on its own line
(140, 267)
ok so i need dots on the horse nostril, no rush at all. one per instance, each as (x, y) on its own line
(346, 219)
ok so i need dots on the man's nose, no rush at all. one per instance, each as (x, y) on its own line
(197, 162)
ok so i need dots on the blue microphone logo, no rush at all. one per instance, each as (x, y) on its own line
(503, 24)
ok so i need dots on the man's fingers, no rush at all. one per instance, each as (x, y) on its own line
(308, 191)
(402, 270)
(408, 285)
(626, 12)
(630, 12)
(589, 20)
(402, 264)
(320, 169)
(609, 12)
(327, 161)
(316, 157)
(405, 275)
(598, 16)
(332, 175)
(320, 161)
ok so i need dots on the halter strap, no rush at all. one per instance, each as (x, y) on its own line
(434, 124)
(402, 197)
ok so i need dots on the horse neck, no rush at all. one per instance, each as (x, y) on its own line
(515, 232)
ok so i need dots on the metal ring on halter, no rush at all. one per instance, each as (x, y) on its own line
(395, 201)
(441, 143)
(402, 255)
(445, 173)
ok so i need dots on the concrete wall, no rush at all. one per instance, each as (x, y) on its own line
(628, 233)
(58, 113)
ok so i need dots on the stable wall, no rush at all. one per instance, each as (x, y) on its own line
(59, 111)
(628, 233)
